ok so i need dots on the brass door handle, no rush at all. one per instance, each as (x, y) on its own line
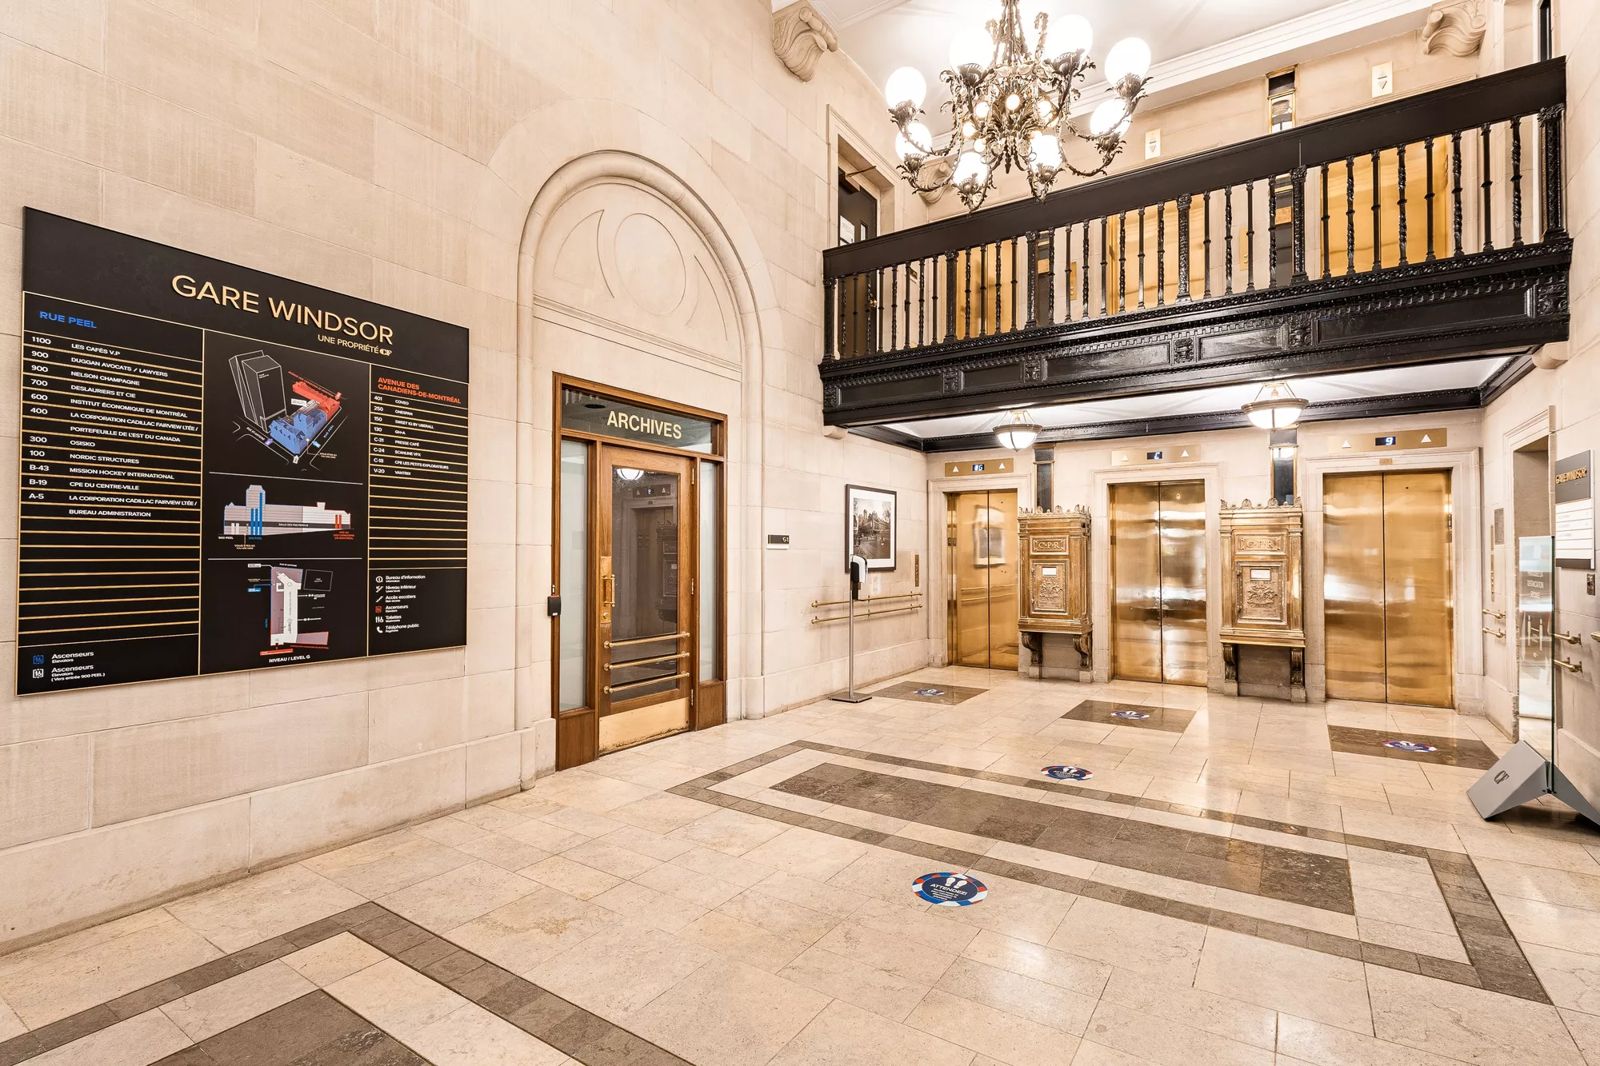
(1570, 638)
(1576, 668)
(1495, 632)
(608, 590)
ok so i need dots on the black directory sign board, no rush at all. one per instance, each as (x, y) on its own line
(222, 469)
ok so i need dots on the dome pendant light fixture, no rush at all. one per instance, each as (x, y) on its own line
(1018, 433)
(1275, 407)
(1011, 106)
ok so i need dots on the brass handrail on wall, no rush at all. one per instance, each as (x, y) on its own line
(817, 620)
(867, 599)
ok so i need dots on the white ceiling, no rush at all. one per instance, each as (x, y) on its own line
(1367, 384)
(1197, 45)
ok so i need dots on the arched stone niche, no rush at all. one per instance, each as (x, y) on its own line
(628, 278)
(617, 257)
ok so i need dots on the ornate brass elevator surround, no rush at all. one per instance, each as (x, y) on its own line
(1262, 589)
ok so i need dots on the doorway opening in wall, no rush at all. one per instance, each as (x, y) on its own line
(981, 571)
(638, 588)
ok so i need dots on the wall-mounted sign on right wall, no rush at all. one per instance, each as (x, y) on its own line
(1574, 512)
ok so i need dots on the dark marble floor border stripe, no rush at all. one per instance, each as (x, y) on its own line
(1497, 961)
(564, 1025)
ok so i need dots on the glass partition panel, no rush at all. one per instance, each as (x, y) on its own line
(574, 570)
(710, 571)
(1535, 619)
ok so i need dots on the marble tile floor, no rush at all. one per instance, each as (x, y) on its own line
(1254, 886)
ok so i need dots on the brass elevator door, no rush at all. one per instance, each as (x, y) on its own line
(981, 539)
(1389, 608)
(1158, 578)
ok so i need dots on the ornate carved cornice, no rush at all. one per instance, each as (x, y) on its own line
(1455, 27)
(799, 36)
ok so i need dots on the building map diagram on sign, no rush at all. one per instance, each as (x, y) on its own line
(256, 518)
(300, 421)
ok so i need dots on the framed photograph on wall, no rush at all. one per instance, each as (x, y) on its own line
(871, 526)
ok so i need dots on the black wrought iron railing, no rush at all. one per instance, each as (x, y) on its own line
(1440, 177)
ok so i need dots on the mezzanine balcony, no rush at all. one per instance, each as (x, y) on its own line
(1417, 231)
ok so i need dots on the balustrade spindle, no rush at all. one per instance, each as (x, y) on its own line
(983, 290)
(1250, 236)
(999, 290)
(966, 305)
(1033, 279)
(1377, 211)
(1455, 193)
(857, 291)
(1105, 267)
(1349, 215)
(925, 267)
(1141, 257)
(1516, 182)
(1122, 261)
(830, 328)
(1011, 260)
(1551, 177)
(1083, 268)
(1272, 233)
(1227, 239)
(1066, 273)
(908, 304)
(1400, 184)
(1488, 188)
(1297, 223)
(1183, 247)
(1050, 277)
(1161, 254)
(949, 298)
(1427, 162)
(1206, 293)
(874, 279)
(1323, 174)
(894, 305)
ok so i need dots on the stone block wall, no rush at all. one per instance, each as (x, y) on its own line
(394, 151)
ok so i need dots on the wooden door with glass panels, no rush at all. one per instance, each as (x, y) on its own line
(644, 617)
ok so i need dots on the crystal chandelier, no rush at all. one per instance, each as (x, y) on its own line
(1011, 106)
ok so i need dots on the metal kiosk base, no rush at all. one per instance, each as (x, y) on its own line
(1521, 775)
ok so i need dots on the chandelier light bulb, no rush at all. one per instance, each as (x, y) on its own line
(971, 47)
(1129, 57)
(1110, 118)
(1044, 151)
(1012, 90)
(1068, 34)
(971, 171)
(914, 141)
(905, 86)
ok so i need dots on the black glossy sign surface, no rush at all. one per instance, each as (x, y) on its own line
(222, 469)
